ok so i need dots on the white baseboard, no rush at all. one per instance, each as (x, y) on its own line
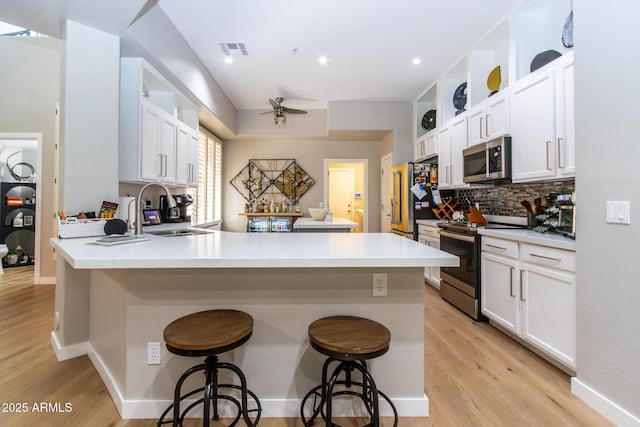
(109, 382)
(600, 403)
(68, 352)
(40, 280)
(271, 408)
(280, 408)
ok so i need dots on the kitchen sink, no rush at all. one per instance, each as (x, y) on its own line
(179, 232)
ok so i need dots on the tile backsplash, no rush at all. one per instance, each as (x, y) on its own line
(505, 199)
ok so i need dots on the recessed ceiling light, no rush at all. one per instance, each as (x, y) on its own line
(323, 60)
(416, 61)
(228, 60)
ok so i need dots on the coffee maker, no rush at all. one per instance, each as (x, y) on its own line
(179, 213)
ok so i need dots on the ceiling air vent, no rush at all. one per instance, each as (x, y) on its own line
(234, 49)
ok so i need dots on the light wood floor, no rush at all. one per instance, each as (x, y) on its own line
(474, 375)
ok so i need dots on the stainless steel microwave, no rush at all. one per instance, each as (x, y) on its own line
(488, 161)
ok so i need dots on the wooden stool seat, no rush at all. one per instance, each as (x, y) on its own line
(349, 342)
(349, 337)
(208, 332)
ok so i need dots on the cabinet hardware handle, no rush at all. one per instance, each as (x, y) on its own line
(548, 162)
(481, 135)
(160, 174)
(456, 236)
(446, 176)
(496, 247)
(486, 125)
(166, 168)
(511, 270)
(560, 152)
(546, 257)
(521, 287)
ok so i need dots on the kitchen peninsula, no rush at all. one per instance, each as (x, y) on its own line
(112, 301)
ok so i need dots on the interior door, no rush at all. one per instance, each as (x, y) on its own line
(385, 194)
(341, 192)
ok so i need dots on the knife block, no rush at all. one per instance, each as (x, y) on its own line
(476, 217)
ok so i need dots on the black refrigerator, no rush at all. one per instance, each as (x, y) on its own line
(414, 194)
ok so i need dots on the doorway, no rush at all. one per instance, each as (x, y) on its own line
(346, 190)
(385, 192)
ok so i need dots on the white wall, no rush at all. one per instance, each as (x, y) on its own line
(310, 156)
(607, 37)
(370, 115)
(30, 88)
(89, 119)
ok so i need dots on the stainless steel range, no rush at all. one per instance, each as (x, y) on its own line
(460, 286)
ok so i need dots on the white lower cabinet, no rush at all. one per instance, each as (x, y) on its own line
(530, 290)
(428, 235)
(499, 290)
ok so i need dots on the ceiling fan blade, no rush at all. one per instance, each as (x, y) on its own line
(274, 104)
(266, 112)
(293, 111)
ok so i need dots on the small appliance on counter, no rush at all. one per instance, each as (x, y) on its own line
(566, 203)
(177, 214)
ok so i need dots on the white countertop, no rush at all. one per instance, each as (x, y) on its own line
(221, 249)
(306, 222)
(530, 236)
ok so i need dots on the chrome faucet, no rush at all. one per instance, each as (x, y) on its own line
(170, 202)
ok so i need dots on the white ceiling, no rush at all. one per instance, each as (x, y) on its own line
(369, 43)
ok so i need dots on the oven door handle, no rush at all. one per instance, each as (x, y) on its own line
(464, 238)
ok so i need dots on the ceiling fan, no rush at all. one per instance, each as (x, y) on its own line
(280, 110)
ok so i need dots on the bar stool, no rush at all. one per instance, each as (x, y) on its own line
(207, 334)
(348, 341)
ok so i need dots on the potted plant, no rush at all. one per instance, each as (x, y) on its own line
(12, 257)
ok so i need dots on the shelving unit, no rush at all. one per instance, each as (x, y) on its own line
(18, 222)
(534, 26)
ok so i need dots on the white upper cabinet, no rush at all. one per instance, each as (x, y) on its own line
(542, 123)
(452, 137)
(153, 116)
(444, 157)
(489, 119)
(187, 144)
(533, 127)
(565, 119)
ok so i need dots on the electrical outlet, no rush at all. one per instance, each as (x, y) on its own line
(379, 284)
(154, 353)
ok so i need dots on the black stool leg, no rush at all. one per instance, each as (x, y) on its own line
(213, 382)
(343, 366)
(176, 396)
(244, 391)
(317, 406)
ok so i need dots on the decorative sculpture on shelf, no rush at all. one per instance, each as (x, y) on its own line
(272, 176)
(24, 165)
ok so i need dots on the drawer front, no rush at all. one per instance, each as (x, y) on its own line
(550, 257)
(508, 248)
(428, 230)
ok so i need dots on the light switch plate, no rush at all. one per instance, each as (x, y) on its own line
(619, 212)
